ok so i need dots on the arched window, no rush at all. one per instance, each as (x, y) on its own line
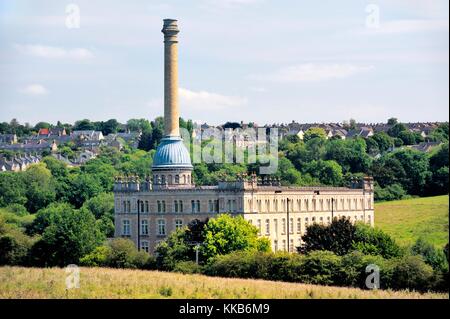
(163, 179)
(177, 179)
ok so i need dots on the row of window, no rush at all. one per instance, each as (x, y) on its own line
(284, 247)
(144, 206)
(294, 224)
(298, 205)
(145, 227)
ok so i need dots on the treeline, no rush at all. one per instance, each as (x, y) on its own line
(337, 254)
(316, 160)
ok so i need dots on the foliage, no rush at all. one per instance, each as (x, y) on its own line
(336, 237)
(187, 267)
(225, 234)
(373, 241)
(70, 235)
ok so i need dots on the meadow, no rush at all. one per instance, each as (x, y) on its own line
(409, 219)
(20, 282)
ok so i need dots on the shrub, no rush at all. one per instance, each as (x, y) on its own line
(434, 257)
(390, 192)
(97, 258)
(373, 241)
(320, 267)
(411, 272)
(187, 267)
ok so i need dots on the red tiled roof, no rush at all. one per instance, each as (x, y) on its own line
(44, 131)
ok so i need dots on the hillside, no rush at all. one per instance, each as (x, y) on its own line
(407, 220)
(19, 282)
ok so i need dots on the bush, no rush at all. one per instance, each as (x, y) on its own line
(411, 272)
(320, 268)
(390, 192)
(434, 257)
(373, 241)
(187, 267)
(118, 253)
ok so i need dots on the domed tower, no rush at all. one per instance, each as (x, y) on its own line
(172, 163)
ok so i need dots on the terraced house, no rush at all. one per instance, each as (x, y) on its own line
(146, 211)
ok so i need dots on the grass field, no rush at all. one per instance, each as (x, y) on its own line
(407, 220)
(19, 282)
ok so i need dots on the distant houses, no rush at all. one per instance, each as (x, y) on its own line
(18, 163)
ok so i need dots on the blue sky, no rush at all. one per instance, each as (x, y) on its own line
(251, 60)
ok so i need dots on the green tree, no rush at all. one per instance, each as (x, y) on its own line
(407, 137)
(40, 187)
(392, 121)
(336, 237)
(328, 172)
(314, 132)
(72, 235)
(225, 234)
(12, 188)
(395, 130)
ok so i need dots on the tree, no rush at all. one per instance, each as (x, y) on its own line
(83, 125)
(383, 140)
(82, 187)
(102, 207)
(328, 172)
(12, 189)
(314, 132)
(392, 121)
(395, 130)
(415, 164)
(70, 236)
(407, 137)
(40, 187)
(336, 237)
(373, 241)
(225, 234)
(110, 126)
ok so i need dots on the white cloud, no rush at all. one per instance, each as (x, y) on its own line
(208, 101)
(54, 52)
(408, 26)
(34, 89)
(312, 72)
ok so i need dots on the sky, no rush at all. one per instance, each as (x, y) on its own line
(252, 60)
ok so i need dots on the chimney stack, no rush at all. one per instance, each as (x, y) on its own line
(171, 111)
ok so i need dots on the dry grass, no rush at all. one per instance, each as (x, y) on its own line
(19, 282)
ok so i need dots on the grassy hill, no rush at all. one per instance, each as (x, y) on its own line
(19, 282)
(407, 220)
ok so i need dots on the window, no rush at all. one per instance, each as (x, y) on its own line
(159, 206)
(177, 179)
(126, 227)
(128, 206)
(163, 179)
(145, 246)
(229, 205)
(275, 226)
(321, 220)
(306, 222)
(175, 204)
(275, 245)
(258, 225)
(146, 206)
(178, 223)
(329, 220)
(124, 206)
(313, 219)
(291, 245)
(233, 207)
(283, 226)
(284, 245)
(164, 206)
(144, 227)
(291, 225)
(198, 206)
(211, 205)
(267, 227)
(161, 227)
(142, 206)
(181, 205)
(299, 225)
(193, 205)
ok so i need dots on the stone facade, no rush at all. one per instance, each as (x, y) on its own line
(162, 208)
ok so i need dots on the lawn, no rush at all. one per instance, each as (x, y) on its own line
(20, 282)
(407, 220)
